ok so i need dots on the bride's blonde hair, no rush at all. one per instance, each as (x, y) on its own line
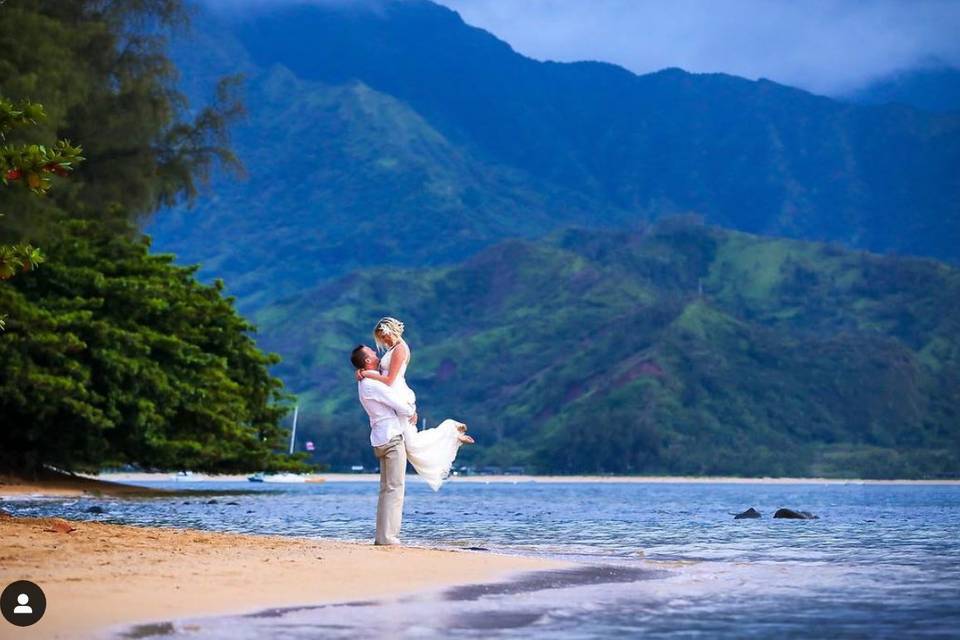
(387, 327)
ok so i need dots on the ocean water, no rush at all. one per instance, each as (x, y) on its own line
(658, 560)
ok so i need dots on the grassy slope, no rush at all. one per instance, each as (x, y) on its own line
(594, 352)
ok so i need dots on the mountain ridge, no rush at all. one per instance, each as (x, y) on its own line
(539, 145)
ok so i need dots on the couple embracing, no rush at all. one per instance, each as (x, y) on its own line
(392, 408)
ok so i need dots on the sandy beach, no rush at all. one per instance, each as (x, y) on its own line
(96, 576)
(55, 484)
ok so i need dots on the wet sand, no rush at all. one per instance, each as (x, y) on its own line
(97, 576)
(53, 483)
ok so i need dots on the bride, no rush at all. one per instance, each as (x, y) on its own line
(431, 451)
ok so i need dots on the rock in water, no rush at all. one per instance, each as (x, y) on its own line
(749, 513)
(95, 509)
(790, 514)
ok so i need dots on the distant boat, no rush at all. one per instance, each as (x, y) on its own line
(186, 476)
(286, 477)
(278, 477)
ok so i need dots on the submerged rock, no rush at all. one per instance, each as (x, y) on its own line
(214, 501)
(790, 514)
(95, 509)
(749, 513)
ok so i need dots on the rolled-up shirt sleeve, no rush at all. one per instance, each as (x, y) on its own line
(387, 395)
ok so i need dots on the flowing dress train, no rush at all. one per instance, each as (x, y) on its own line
(430, 451)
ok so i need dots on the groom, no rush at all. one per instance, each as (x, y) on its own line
(388, 411)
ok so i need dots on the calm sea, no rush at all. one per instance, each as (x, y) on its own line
(660, 560)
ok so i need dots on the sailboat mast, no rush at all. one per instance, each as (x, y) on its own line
(293, 432)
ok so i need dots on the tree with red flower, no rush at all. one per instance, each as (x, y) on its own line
(31, 165)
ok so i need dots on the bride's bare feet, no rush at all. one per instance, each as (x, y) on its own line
(465, 439)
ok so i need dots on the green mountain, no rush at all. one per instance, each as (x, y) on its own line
(677, 349)
(402, 162)
(391, 133)
(342, 177)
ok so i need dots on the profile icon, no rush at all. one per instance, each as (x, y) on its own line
(22, 606)
(22, 603)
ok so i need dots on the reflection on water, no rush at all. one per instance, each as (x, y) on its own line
(665, 560)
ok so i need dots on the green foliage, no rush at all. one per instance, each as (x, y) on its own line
(597, 352)
(101, 72)
(31, 164)
(113, 355)
(17, 257)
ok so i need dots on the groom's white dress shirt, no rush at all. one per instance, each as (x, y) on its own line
(388, 409)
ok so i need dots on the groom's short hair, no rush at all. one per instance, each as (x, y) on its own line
(357, 357)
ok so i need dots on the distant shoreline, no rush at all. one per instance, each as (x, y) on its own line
(516, 479)
(129, 484)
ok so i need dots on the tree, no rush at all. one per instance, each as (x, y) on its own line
(32, 165)
(113, 355)
(99, 68)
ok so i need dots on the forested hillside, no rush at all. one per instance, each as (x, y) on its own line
(679, 349)
(400, 135)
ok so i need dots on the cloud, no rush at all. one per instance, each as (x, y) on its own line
(825, 46)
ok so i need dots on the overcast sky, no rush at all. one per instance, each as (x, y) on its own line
(825, 46)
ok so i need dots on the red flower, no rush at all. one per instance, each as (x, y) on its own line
(13, 174)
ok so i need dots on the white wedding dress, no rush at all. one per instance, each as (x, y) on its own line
(431, 451)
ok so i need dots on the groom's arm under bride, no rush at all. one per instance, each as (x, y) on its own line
(383, 403)
(374, 391)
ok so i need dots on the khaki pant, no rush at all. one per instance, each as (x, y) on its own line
(393, 471)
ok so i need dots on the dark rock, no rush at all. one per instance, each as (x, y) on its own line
(187, 502)
(749, 513)
(476, 549)
(213, 502)
(790, 514)
(95, 509)
(234, 504)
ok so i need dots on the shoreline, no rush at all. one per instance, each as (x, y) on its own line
(100, 578)
(547, 479)
(127, 485)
